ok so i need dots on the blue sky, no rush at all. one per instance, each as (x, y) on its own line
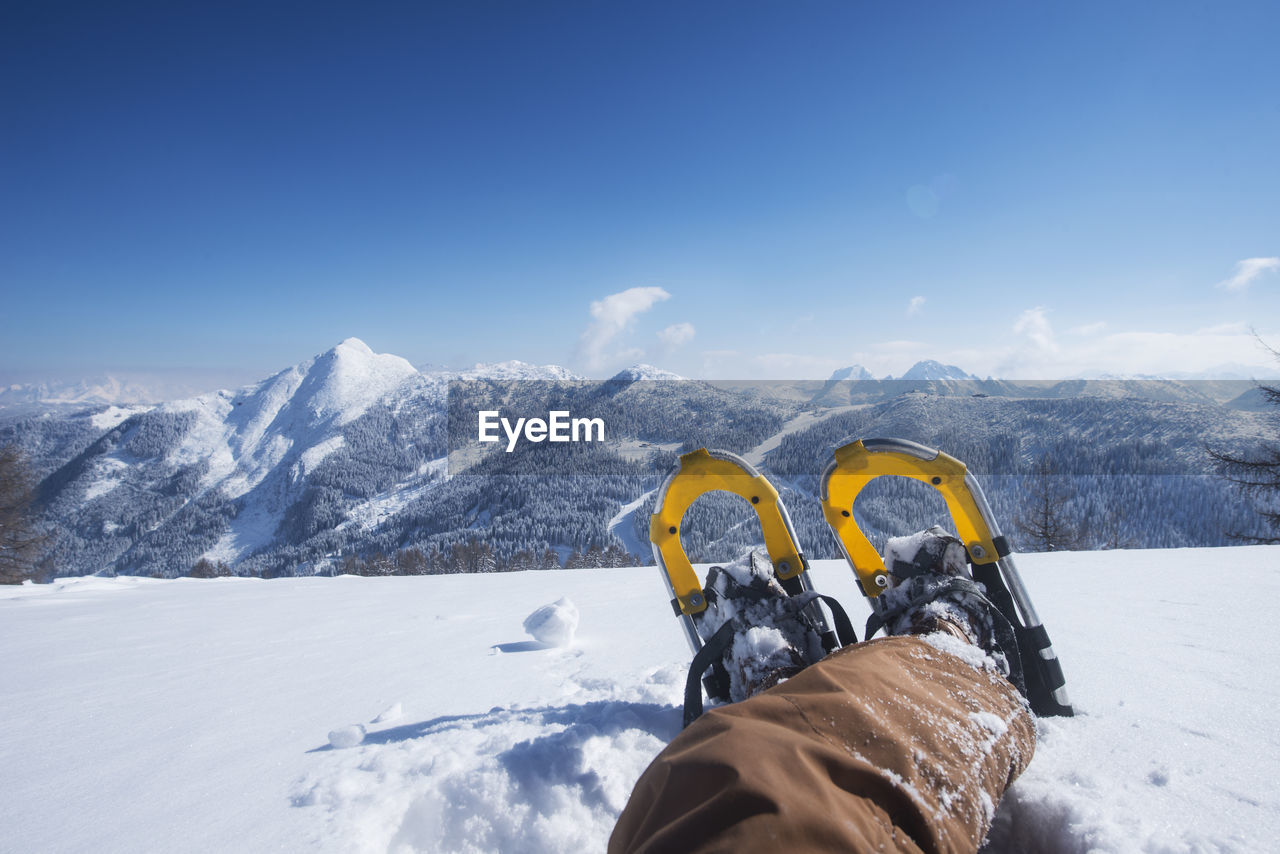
(733, 189)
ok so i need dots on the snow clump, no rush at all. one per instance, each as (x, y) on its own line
(391, 713)
(347, 736)
(553, 624)
(951, 561)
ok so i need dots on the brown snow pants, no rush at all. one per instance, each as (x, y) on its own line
(889, 745)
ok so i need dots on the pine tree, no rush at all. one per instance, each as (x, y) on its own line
(204, 568)
(616, 556)
(411, 562)
(459, 556)
(353, 565)
(486, 560)
(1258, 474)
(21, 542)
(1044, 523)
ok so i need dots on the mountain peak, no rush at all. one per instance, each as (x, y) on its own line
(355, 346)
(931, 370)
(853, 372)
(343, 382)
(645, 373)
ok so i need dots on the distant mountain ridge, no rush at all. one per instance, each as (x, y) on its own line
(104, 390)
(349, 453)
(107, 390)
(514, 369)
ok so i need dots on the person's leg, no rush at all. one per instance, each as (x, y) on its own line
(889, 745)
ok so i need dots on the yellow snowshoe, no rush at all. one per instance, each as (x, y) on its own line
(858, 463)
(781, 587)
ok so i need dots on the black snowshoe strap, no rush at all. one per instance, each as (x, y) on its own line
(946, 584)
(843, 625)
(1003, 635)
(710, 653)
(713, 651)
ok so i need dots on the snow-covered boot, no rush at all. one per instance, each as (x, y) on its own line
(754, 634)
(772, 639)
(931, 590)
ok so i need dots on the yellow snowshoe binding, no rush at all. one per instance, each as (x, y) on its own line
(858, 463)
(698, 473)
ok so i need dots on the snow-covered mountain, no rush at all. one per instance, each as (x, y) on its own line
(348, 455)
(339, 386)
(853, 372)
(218, 475)
(285, 475)
(931, 370)
(927, 369)
(645, 373)
(923, 370)
(514, 370)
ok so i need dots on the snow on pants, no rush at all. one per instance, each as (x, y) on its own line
(889, 745)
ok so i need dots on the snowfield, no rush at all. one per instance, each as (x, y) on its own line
(141, 715)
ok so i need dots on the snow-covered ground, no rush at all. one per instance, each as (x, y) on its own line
(140, 715)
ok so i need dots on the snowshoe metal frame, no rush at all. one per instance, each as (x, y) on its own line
(704, 471)
(858, 463)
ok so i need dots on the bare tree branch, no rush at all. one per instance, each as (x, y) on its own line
(1256, 473)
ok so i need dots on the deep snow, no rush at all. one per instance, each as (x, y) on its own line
(141, 715)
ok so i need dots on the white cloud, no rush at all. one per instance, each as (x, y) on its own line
(1166, 353)
(1089, 329)
(1039, 355)
(1233, 328)
(1036, 352)
(610, 317)
(1034, 324)
(1248, 270)
(1031, 348)
(675, 335)
(915, 305)
(736, 365)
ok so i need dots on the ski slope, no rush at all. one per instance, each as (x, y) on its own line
(803, 421)
(142, 715)
(622, 528)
